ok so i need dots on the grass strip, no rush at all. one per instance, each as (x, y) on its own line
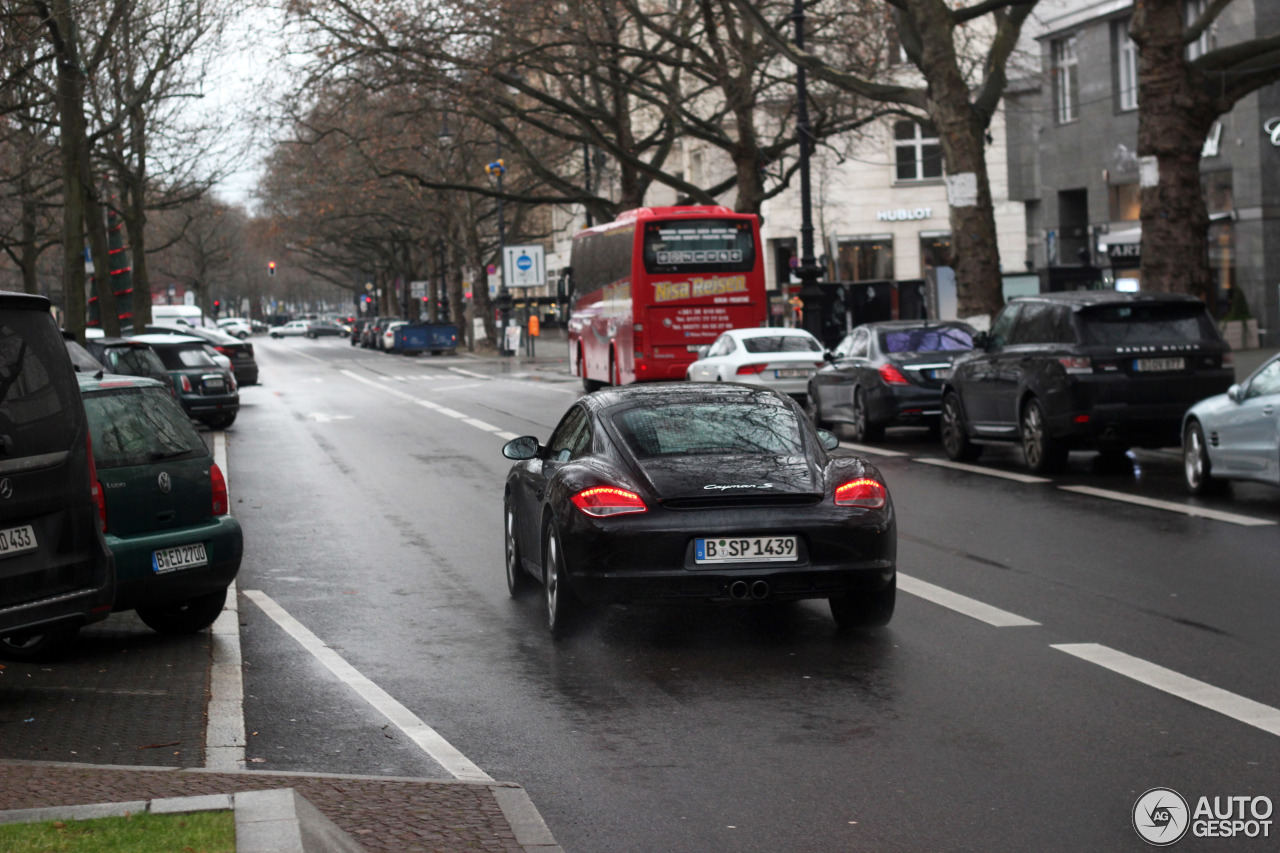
(196, 832)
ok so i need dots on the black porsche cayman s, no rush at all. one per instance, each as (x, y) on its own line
(696, 492)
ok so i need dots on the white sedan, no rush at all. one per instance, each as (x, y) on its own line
(236, 326)
(388, 341)
(292, 328)
(781, 359)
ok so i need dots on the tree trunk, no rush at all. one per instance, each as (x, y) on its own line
(71, 142)
(134, 210)
(1174, 116)
(962, 135)
(96, 226)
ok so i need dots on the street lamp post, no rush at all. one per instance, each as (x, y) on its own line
(497, 169)
(808, 271)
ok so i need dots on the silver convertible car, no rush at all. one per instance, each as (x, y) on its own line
(1236, 435)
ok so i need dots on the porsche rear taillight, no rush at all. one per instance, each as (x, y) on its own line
(95, 487)
(221, 504)
(751, 369)
(603, 501)
(863, 492)
(892, 375)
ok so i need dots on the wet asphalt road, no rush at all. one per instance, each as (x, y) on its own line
(376, 522)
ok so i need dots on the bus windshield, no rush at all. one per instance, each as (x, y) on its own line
(698, 245)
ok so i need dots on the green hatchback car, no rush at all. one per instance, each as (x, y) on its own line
(164, 505)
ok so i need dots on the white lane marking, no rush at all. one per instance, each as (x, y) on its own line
(453, 413)
(440, 750)
(978, 469)
(321, 417)
(479, 424)
(506, 435)
(1171, 506)
(301, 354)
(470, 373)
(224, 737)
(1198, 692)
(961, 603)
(877, 451)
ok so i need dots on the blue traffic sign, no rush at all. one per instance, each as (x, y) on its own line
(524, 262)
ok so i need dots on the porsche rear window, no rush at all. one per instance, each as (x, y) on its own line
(685, 429)
(137, 426)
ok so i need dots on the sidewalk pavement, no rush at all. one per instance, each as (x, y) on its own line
(380, 813)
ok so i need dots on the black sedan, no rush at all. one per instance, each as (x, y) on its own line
(694, 492)
(240, 352)
(888, 373)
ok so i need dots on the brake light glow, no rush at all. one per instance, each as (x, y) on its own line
(602, 501)
(892, 375)
(95, 487)
(1076, 364)
(1081, 419)
(751, 369)
(864, 492)
(227, 351)
(221, 503)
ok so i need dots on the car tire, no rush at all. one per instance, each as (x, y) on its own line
(244, 336)
(955, 438)
(862, 429)
(185, 617)
(518, 582)
(219, 421)
(1196, 470)
(863, 609)
(277, 337)
(563, 606)
(1044, 453)
(41, 645)
(310, 335)
(812, 410)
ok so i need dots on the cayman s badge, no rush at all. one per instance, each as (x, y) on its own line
(719, 488)
(165, 483)
(6, 489)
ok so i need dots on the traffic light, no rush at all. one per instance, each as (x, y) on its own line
(271, 267)
(217, 306)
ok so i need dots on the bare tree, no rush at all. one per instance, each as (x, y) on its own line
(1179, 98)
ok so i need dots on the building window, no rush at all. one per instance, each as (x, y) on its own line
(1126, 53)
(916, 151)
(864, 258)
(935, 250)
(1066, 79)
(1125, 203)
(1192, 10)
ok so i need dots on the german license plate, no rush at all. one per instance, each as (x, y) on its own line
(182, 557)
(212, 382)
(17, 540)
(745, 549)
(1153, 365)
(790, 373)
(940, 373)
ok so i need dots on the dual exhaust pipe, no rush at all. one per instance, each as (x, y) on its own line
(741, 590)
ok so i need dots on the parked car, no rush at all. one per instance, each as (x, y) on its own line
(887, 373)
(1098, 370)
(240, 352)
(236, 326)
(388, 339)
(176, 546)
(781, 359)
(206, 391)
(128, 357)
(56, 573)
(696, 492)
(82, 360)
(324, 328)
(291, 329)
(370, 337)
(1236, 435)
(357, 328)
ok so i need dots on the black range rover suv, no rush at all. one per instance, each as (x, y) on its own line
(56, 573)
(1094, 370)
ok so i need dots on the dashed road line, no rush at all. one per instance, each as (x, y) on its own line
(961, 603)
(876, 451)
(978, 469)
(1198, 692)
(427, 738)
(1170, 506)
(470, 373)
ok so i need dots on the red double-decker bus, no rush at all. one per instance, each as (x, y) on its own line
(651, 287)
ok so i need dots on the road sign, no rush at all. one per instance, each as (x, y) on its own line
(524, 266)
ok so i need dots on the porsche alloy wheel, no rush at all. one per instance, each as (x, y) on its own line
(517, 580)
(562, 606)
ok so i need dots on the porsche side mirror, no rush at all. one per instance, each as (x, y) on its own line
(828, 439)
(1235, 393)
(524, 447)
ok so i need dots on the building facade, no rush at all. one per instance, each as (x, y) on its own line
(1072, 136)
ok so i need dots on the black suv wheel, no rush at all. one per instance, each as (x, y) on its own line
(1045, 454)
(955, 438)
